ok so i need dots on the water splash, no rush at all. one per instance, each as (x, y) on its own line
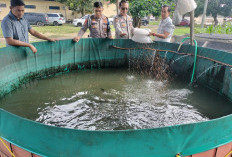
(129, 61)
(174, 61)
(77, 100)
(152, 61)
(211, 67)
(165, 57)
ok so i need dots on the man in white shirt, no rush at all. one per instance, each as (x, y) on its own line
(166, 28)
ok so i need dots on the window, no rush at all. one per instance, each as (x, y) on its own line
(2, 5)
(54, 7)
(53, 15)
(49, 15)
(30, 6)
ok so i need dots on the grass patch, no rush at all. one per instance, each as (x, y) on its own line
(154, 23)
(181, 30)
(59, 30)
(198, 30)
(2, 45)
(186, 30)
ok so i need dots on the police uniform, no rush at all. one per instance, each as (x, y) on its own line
(99, 27)
(123, 25)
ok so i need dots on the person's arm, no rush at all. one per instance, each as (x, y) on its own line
(13, 42)
(167, 31)
(163, 36)
(40, 36)
(82, 30)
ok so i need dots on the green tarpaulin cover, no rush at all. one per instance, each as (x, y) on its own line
(19, 65)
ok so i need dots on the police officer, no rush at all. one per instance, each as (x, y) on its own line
(123, 23)
(98, 24)
(15, 27)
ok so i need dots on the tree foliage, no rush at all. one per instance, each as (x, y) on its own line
(80, 6)
(215, 8)
(142, 8)
(116, 2)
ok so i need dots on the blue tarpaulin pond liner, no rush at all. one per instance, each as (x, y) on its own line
(19, 65)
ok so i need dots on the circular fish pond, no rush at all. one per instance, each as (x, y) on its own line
(103, 98)
(113, 99)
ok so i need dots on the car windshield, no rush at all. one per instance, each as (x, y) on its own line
(61, 15)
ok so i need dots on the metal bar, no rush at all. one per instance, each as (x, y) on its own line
(192, 36)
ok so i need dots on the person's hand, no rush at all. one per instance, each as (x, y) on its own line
(122, 34)
(51, 40)
(154, 34)
(76, 39)
(33, 49)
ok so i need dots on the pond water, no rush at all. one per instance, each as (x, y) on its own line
(113, 99)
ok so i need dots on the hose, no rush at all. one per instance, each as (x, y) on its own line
(195, 58)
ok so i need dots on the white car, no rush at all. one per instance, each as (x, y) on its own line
(80, 22)
(56, 19)
(152, 18)
(111, 20)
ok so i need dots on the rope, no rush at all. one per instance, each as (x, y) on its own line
(207, 58)
(227, 155)
(7, 147)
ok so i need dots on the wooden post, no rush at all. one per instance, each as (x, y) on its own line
(192, 36)
(117, 6)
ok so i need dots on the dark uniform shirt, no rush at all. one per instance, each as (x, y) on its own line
(99, 27)
(15, 28)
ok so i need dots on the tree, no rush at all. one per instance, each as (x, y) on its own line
(142, 8)
(215, 8)
(204, 13)
(117, 4)
(80, 6)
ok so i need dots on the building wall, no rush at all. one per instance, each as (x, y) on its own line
(42, 6)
